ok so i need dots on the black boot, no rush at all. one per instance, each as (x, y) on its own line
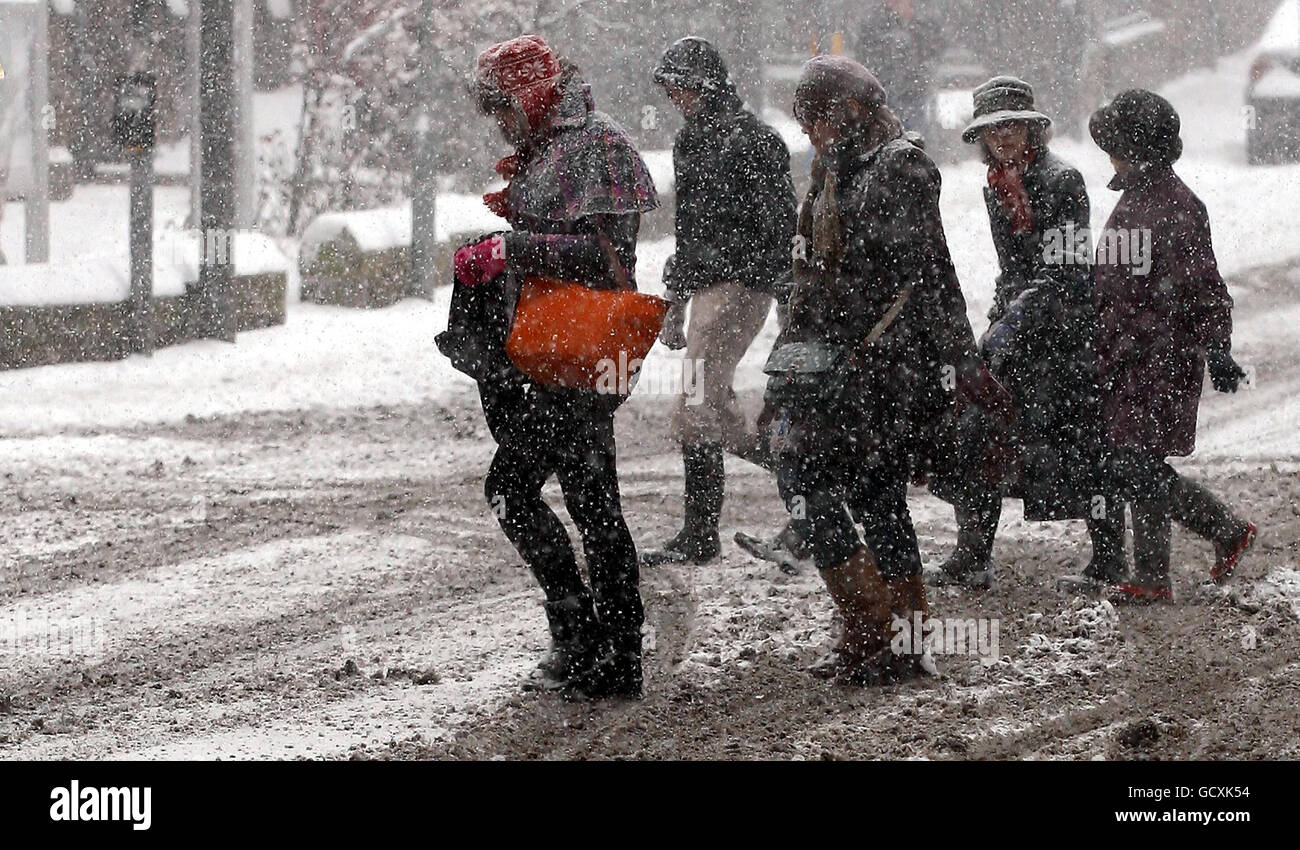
(1107, 566)
(971, 563)
(697, 542)
(786, 549)
(615, 673)
(1200, 511)
(575, 642)
(794, 539)
(1151, 538)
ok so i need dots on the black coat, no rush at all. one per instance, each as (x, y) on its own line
(880, 232)
(735, 200)
(1040, 343)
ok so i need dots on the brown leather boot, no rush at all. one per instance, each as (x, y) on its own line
(906, 598)
(859, 592)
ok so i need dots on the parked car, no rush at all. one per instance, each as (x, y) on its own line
(1273, 92)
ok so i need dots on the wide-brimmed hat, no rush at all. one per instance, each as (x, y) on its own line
(1000, 100)
(1138, 126)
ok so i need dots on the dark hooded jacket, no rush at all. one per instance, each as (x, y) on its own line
(735, 199)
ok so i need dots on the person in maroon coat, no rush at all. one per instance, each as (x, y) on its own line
(1163, 314)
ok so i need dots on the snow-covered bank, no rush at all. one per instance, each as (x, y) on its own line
(324, 357)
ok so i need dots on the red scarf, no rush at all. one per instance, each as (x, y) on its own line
(1007, 179)
(499, 201)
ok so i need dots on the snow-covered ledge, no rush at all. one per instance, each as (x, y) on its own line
(68, 312)
(105, 280)
(361, 258)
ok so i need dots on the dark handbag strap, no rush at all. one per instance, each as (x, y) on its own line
(620, 273)
(879, 328)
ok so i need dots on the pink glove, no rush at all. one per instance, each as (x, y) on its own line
(479, 263)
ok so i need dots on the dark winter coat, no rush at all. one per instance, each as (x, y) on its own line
(1155, 329)
(1040, 342)
(884, 194)
(735, 200)
(575, 205)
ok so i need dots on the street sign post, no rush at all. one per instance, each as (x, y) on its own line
(134, 125)
(26, 118)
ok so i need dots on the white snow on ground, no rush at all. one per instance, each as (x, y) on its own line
(247, 587)
(335, 358)
(1282, 583)
(1283, 31)
(660, 166)
(325, 357)
(255, 583)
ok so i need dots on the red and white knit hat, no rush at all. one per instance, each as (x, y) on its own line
(523, 69)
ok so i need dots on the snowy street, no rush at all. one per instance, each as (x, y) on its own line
(280, 549)
(326, 583)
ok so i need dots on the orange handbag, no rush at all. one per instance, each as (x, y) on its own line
(565, 334)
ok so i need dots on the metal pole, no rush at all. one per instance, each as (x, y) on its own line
(36, 208)
(245, 146)
(141, 335)
(215, 319)
(424, 177)
(194, 54)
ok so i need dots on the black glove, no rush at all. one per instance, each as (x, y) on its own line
(670, 266)
(1225, 374)
(1000, 341)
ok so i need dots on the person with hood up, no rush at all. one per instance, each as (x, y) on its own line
(576, 192)
(1164, 316)
(735, 219)
(862, 377)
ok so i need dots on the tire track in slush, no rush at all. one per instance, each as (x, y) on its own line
(93, 627)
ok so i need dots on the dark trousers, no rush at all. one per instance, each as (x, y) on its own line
(830, 493)
(1159, 494)
(571, 436)
(978, 507)
(1141, 477)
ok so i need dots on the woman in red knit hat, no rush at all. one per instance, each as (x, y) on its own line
(577, 189)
